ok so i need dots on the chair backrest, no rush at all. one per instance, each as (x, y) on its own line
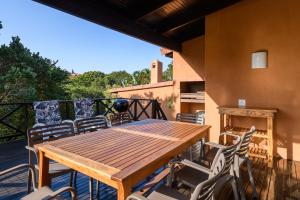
(47, 112)
(40, 134)
(196, 118)
(120, 118)
(200, 117)
(245, 141)
(205, 190)
(90, 124)
(229, 153)
(83, 108)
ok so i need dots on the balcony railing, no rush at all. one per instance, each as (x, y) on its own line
(16, 118)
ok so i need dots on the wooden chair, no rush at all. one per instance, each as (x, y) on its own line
(41, 134)
(44, 193)
(203, 191)
(90, 124)
(120, 118)
(191, 177)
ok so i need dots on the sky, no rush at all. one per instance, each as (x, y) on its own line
(76, 43)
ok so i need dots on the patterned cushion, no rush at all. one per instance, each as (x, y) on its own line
(47, 112)
(83, 108)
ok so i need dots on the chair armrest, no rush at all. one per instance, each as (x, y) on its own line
(196, 166)
(13, 169)
(154, 181)
(34, 151)
(214, 145)
(31, 169)
(136, 196)
(38, 124)
(63, 190)
(229, 133)
(68, 120)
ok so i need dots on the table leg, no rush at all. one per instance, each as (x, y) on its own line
(124, 191)
(43, 170)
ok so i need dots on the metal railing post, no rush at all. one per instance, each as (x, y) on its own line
(154, 109)
(135, 110)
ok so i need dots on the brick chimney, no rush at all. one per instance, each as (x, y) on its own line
(156, 70)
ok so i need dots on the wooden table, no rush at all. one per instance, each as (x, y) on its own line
(121, 156)
(269, 114)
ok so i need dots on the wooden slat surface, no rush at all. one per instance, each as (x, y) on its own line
(130, 151)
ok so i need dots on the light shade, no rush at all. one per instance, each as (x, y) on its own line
(259, 60)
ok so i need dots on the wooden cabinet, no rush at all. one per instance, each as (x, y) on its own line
(227, 113)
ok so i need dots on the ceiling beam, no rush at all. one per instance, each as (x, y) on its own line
(105, 16)
(194, 13)
(187, 31)
(153, 5)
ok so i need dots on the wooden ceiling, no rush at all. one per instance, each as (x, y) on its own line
(166, 23)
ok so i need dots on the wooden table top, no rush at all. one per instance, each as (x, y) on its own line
(119, 152)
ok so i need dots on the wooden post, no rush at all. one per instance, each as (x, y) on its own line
(44, 179)
(124, 190)
(270, 140)
(222, 122)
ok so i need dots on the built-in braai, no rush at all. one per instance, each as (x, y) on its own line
(192, 92)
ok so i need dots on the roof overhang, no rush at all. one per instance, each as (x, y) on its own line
(166, 23)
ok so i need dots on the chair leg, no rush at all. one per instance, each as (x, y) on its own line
(75, 179)
(91, 188)
(97, 189)
(71, 179)
(240, 184)
(249, 167)
(234, 188)
(29, 182)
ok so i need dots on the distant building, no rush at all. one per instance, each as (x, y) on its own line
(73, 74)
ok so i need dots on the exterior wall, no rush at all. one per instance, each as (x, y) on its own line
(188, 65)
(232, 34)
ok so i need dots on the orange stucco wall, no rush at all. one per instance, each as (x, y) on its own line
(162, 94)
(232, 34)
(187, 66)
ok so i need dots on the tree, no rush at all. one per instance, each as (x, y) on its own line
(1, 26)
(168, 73)
(118, 79)
(141, 77)
(26, 76)
(90, 84)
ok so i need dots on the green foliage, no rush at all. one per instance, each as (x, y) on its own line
(168, 73)
(118, 79)
(141, 77)
(26, 76)
(18, 83)
(90, 84)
